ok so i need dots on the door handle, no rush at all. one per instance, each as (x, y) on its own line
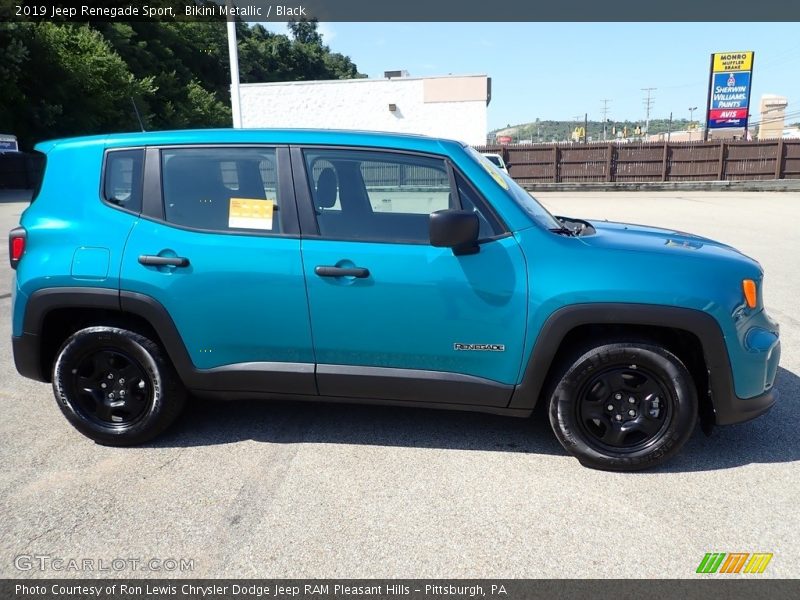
(325, 271)
(163, 261)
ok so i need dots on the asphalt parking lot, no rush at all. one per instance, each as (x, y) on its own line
(255, 489)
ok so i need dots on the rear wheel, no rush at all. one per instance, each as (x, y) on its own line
(115, 386)
(624, 406)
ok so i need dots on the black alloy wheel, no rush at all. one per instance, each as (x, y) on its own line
(110, 388)
(116, 386)
(624, 406)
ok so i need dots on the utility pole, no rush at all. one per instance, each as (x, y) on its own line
(648, 104)
(233, 58)
(605, 102)
(669, 129)
(585, 128)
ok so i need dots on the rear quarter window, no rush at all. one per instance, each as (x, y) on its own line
(122, 179)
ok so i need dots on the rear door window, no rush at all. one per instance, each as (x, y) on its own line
(221, 189)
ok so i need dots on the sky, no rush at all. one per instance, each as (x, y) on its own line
(560, 70)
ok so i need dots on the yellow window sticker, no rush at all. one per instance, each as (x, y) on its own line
(492, 170)
(251, 213)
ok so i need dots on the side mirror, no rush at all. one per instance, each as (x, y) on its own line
(456, 229)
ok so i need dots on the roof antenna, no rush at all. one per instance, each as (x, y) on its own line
(136, 110)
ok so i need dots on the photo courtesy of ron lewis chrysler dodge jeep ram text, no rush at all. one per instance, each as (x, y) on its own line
(367, 267)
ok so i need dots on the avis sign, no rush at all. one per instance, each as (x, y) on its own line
(729, 93)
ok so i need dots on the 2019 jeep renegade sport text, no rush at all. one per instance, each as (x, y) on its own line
(367, 267)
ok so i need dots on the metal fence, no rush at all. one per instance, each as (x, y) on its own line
(655, 161)
(562, 163)
(393, 174)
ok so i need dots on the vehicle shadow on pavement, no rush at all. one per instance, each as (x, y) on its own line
(218, 422)
(770, 438)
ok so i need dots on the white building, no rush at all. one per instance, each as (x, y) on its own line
(773, 114)
(452, 106)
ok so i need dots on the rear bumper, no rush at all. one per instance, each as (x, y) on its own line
(27, 356)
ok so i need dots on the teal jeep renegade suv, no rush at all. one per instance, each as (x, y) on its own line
(367, 267)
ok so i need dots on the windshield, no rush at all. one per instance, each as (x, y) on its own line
(521, 197)
(494, 159)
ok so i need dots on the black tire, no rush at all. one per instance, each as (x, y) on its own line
(115, 386)
(624, 406)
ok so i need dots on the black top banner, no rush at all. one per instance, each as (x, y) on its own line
(405, 10)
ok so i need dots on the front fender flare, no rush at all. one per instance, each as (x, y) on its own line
(561, 322)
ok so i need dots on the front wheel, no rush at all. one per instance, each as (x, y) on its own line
(115, 386)
(624, 407)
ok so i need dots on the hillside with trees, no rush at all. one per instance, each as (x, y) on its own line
(62, 79)
(548, 131)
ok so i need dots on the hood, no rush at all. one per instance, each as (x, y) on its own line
(641, 238)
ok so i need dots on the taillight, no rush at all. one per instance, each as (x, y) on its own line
(16, 246)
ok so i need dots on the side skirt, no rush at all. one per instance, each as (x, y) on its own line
(412, 385)
(234, 396)
(345, 383)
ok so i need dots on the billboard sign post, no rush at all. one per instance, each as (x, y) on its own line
(729, 85)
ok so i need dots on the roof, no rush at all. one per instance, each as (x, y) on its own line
(379, 80)
(256, 136)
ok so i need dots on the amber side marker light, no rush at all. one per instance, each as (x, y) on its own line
(749, 289)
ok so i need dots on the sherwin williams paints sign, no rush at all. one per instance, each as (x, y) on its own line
(729, 89)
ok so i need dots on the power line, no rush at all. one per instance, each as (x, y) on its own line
(789, 115)
(780, 57)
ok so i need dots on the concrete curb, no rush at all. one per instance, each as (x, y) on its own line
(772, 185)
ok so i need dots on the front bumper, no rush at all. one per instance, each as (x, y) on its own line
(754, 355)
(739, 410)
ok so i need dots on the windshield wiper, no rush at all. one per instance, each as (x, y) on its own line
(562, 231)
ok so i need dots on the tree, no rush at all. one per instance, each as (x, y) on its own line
(305, 32)
(265, 56)
(183, 59)
(61, 79)
(64, 79)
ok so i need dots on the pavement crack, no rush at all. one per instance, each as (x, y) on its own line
(169, 461)
(41, 535)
